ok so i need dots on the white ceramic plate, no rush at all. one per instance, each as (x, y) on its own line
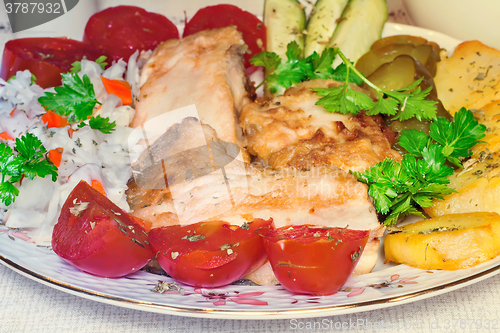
(387, 285)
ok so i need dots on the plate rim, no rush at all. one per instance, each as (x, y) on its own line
(255, 315)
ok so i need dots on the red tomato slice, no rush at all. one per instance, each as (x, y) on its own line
(308, 259)
(220, 16)
(46, 58)
(96, 236)
(122, 30)
(209, 254)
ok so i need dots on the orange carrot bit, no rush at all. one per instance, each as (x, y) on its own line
(70, 132)
(118, 88)
(55, 156)
(6, 137)
(98, 186)
(12, 112)
(52, 119)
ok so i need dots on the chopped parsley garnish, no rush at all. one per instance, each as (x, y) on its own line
(76, 100)
(422, 176)
(284, 74)
(29, 162)
(100, 123)
(403, 103)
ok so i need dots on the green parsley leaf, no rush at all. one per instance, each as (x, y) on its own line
(10, 164)
(343, 99)
(414, 141)
(8, 193)
(321, 65)
(74, 100)
(412, 104)
(269, 60)
(455, 138)
(409, 101)
(286, 75)
(340, 73)
(283, 74)
(29, 161)
(77, 65)
(102, 124)
(459, 136)
(32, 151)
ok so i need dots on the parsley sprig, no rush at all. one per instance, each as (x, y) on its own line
(76, 101)
(27, 159)
(403, 103)
(100, 123)
(422, 176)
(295, 69)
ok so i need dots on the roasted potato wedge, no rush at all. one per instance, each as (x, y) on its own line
(469, 78)
(477, 186)
(449, 242)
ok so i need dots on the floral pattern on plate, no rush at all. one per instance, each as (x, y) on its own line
(382, 288)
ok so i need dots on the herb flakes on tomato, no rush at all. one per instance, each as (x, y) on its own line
(96, 236)
(309, 259)
(209, 254)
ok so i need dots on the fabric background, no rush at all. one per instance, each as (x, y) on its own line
(28, 306)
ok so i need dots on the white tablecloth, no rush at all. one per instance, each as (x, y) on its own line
(28, 306)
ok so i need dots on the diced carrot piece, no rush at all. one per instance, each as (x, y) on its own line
(5, 136)
(12, 112)
(70, 132)
(55, 156)
(98, 186)
(54, 120)
(118, 88)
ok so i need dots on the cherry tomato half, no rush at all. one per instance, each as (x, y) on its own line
(96, 236)
(220, 16)
(122, 30)
(316, 260)
(209, 254)
(46, 58)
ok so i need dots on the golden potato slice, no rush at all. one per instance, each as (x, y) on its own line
(449, 242)
(477, 186)
(488, 115)
(469, 78)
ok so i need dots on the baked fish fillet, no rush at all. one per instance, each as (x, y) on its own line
(221, 187)
(204, 69)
